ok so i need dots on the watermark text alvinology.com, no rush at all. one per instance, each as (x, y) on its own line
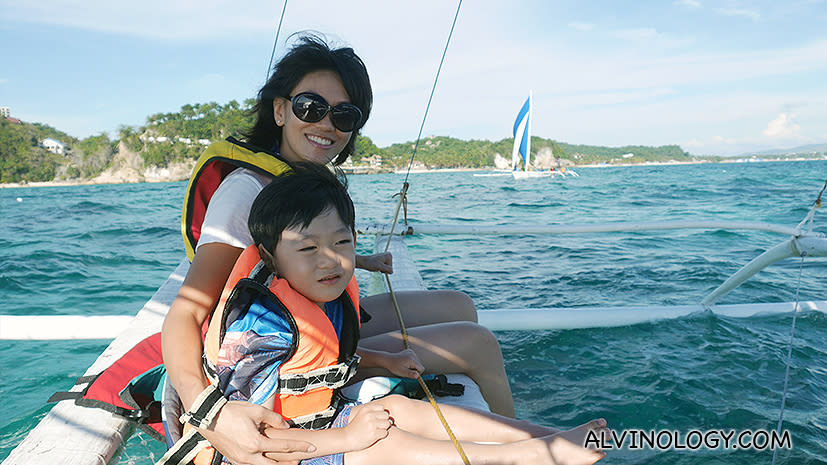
(632, 439)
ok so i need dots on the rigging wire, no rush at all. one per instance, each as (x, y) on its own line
(403, 201)
(789, 356)
(816, 204)
(275, 42)
(436, 79)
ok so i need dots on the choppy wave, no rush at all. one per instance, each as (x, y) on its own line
(105, 249)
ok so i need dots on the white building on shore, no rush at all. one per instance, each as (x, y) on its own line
(5, 112)
(54, 146)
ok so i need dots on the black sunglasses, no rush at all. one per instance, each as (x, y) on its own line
(312, 108)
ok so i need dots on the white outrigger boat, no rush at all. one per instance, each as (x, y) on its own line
(74, 435)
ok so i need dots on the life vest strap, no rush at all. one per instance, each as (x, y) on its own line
(65, 395)
(331, 377)
(83, 382)
(205, 408)
(185, 449)
(319, 420)
(209, 368)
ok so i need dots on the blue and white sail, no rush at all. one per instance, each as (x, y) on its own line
(522, 136)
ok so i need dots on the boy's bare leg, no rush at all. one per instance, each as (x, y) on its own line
(548, 450)
(458, 347)
(419, 418)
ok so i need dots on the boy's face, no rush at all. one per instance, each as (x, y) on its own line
(317, 261)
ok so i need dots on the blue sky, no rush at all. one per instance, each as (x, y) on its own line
(716, 77)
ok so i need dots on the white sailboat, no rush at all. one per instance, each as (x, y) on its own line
(522, 145)
(522, 148)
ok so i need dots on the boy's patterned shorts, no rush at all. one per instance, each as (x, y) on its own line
(335, 459)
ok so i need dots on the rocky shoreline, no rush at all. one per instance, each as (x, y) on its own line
(126, 172)
(126, 168)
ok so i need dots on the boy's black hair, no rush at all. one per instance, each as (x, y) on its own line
(295, 199)
(310, 53)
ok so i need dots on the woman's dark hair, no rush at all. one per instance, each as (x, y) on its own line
(295, 199)
(311, 53)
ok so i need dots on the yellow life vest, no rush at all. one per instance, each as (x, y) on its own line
(219, 160)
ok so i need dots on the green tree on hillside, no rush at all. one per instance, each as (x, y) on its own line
(95, 154)
(21, 157)
(364, 147)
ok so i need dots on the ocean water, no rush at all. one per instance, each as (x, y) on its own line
(105, 249)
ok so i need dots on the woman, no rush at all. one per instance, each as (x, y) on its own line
(311, 109)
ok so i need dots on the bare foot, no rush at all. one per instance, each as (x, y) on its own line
(570, 447)
(589, 435)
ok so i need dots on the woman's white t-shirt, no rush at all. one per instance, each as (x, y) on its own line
(226, 218)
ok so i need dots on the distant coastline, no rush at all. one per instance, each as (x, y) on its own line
(87, 182)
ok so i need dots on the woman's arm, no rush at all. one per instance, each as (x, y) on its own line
(236, 432)
(181, 334)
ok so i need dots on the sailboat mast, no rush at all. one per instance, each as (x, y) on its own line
(528, 131)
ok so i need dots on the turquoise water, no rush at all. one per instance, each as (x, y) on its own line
(105, 249)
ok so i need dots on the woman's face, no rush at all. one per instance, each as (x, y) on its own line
(317, 142)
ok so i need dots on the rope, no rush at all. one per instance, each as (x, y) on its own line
(789, 357)
(424, 386)
(808, 220)
(817, 202)
(275, 41)
(433, 89)
(403, 200)
(457, 445)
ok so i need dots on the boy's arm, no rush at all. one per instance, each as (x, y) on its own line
(404, 364)
(367, 424)
(382, 262)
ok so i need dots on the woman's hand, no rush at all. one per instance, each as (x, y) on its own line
(370, 422)
(382, 262)
(238, 434)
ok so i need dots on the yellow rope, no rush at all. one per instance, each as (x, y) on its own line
(817, 202)
(457, 445)
(403, 197)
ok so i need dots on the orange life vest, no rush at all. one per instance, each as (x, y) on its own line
(318, 363)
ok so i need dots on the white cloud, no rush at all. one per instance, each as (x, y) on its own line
(581, 26)
(723, 140)
(753, 15)
(783, 126)
(153, 19)
(652, 38)
(688, 3)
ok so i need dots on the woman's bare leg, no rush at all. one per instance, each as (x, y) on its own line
(418, 308)
(458, 347)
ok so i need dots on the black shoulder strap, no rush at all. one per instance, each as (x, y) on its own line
(349, 338)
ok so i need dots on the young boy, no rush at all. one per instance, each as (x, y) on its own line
(288, 338)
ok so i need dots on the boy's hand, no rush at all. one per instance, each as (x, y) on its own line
(404, 364)
(382, 262)
(370, 422)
